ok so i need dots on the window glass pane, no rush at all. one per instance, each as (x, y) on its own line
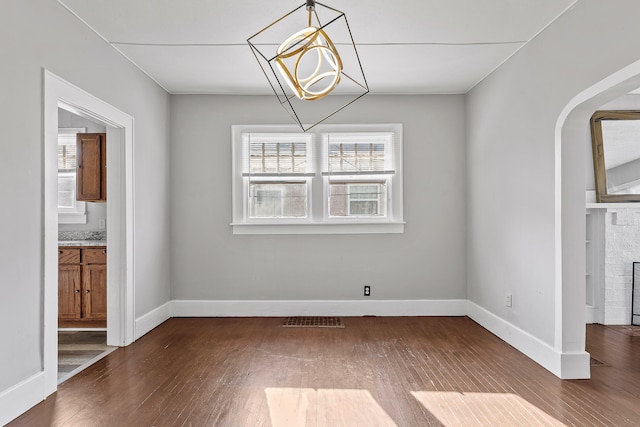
(363, 207)
(67, 202)
(67, 156)
(368, 199)
(277, 199)
(277, 157)
(67, 171)
(67, 190)
(356, 157)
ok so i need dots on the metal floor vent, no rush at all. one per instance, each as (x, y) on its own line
(313, 322)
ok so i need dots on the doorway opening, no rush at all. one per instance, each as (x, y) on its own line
(82, 243)
(119, 216)
(572, 134)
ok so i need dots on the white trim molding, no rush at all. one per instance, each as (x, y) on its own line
(191, 308)
(320, 228)
(152, 319)
(120, 216)
(18, 399)
(563, 365)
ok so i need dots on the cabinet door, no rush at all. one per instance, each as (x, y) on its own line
(69, 296)
(94, 281)
(91, 167)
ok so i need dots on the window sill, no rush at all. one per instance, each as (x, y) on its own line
(320, 228)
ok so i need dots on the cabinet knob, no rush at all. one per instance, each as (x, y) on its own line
(104, 251)
(59, 252)
(87, 291)
(77, 291)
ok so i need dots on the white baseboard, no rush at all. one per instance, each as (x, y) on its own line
(592, 314)
(563, 365)
(18, 399)
(575, 366)
(189, 308)
(152, 319)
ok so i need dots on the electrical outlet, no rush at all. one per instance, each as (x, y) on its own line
(367, 290)
(102, 224)
(509, 300)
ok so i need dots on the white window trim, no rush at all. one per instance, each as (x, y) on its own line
(317, 223)
(79, 214)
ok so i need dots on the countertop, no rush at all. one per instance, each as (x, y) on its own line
(82, 243)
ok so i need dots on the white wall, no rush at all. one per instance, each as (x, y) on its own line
(208, 262)
(512, 159)
(66, 119)
(42, 34)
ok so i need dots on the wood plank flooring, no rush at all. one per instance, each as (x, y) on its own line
(76, 349)
(377, 371)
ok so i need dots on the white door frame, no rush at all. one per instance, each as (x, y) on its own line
(120, 216)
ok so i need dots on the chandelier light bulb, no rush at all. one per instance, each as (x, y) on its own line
(328, 65)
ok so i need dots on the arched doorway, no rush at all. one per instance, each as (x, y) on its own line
(570, 135)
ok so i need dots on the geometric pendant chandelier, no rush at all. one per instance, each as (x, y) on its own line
(311, 62)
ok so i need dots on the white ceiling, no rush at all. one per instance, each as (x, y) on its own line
(405, 46)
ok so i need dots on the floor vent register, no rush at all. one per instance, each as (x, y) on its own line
(313, 322)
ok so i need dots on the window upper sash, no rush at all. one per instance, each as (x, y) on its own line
(277, 155)
(358, 153)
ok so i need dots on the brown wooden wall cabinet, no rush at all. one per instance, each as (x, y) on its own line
(82, 287)
(91, 167)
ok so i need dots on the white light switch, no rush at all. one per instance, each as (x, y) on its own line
(102, 224)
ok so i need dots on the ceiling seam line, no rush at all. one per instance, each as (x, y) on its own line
(337, 44)
(571, 6)
(112, 46)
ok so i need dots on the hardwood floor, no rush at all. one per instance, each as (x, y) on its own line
(78, 349)
(376, 371)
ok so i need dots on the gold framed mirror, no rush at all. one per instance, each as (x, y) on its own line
(615, 138)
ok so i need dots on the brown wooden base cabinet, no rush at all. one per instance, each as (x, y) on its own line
(82, 287)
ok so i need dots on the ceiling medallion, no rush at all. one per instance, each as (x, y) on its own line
(310, 63)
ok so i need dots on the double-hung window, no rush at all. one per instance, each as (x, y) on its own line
(276, 172)
(332, 179)
(70, 211)
(358, 171)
